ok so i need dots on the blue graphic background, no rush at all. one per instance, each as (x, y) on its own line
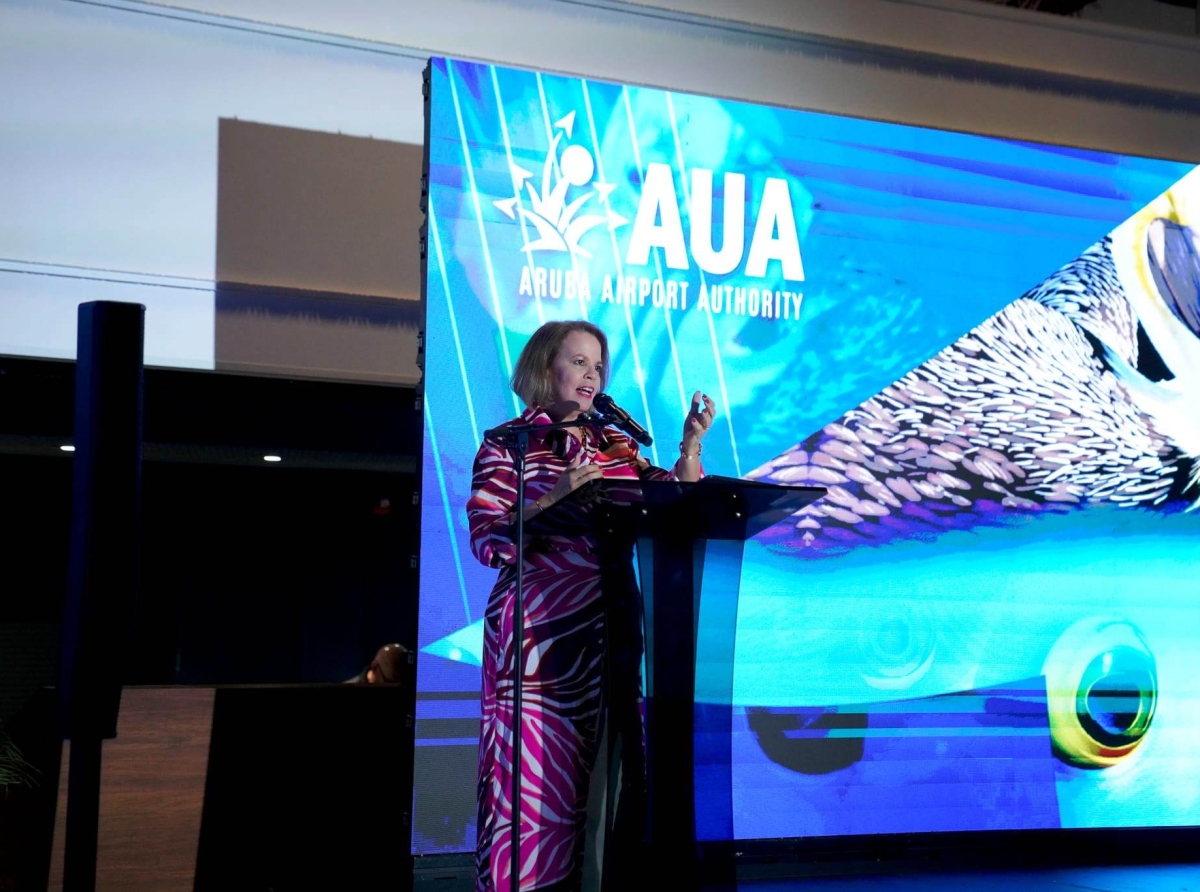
(909, 238)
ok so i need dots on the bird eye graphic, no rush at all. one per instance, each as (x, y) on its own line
(1101, 688)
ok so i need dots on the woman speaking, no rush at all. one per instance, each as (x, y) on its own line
(578, 667)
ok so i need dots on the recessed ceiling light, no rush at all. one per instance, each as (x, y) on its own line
(272, 458)
(67, 447)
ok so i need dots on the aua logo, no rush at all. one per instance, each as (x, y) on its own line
(568, 205)
(560, 224)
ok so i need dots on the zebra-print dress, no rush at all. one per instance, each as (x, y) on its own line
(563, 655)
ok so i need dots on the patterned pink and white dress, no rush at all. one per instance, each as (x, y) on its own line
(563, 654)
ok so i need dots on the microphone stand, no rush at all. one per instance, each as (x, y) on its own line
(516, 437)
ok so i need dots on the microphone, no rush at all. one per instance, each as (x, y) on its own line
(621, 418)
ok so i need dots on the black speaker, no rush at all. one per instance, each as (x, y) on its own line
(309, 787)
(103, 572)
(102, 579)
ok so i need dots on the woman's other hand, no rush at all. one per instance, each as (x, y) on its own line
(576, 475)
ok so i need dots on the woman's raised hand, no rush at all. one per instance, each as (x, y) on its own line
(697, 423)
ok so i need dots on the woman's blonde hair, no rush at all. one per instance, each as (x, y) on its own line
(532, 380)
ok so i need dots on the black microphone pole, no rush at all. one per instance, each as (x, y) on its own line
(521, 447)
(517, 436)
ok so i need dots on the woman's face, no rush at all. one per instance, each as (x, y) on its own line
(577, 373)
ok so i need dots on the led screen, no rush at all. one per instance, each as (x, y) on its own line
(988, 351)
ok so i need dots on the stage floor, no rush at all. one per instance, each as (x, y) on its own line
(1153, 878)
(1148, 878)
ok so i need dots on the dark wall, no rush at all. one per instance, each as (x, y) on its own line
(35, 517)
(252, 572)
(269, 574)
